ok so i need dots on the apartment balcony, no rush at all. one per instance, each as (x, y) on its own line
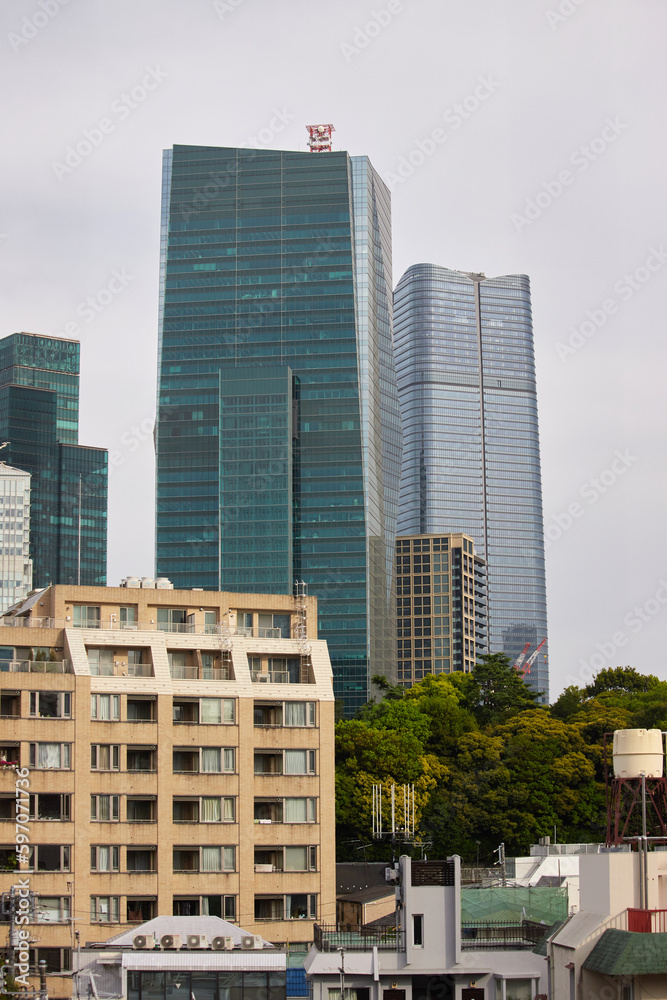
(36, 666)
(503, 935)
(112, 624)
(329, 937)
(195, 673)
(121, 670)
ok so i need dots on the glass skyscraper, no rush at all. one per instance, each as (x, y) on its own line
(471, 455)
(39, 418)
(278, 434)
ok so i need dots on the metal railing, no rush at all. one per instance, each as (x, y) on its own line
(112, 624)
(272, 677)
(329, 937)
(647, 921)
(503, 935)
(36, 666)
(201, 673)
(121, 670)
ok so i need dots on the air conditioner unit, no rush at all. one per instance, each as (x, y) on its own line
(263, 678)
(251, 942)
(197, 941)
(142, 941)
(225, 943)
(170, 941)
(390, 874)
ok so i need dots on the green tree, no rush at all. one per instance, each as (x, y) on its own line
(497, 691)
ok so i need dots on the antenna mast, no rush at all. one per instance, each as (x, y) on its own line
(320, 138)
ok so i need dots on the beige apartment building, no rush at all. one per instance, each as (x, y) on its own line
(179, 747)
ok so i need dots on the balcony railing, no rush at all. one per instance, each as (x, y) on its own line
(201, 673)
(505, 935)
(329, 937)
(112, 624)
(271, 677)
(647, 921)
(36, 666)
(122, 670)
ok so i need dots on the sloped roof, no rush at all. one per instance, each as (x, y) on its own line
(369, 895)
(628, 952)
(577, 928)
(210, 926)
(353, 876)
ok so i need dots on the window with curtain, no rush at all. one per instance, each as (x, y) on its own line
(229, 859)
(296, 859)
(210, 810)
(229, 810)
(50, 755)
(104, 858)
(211, 859)
(210, 711)
(296, 761)
(105, 707)
(210, 760)
(228, 710)
(229, 760)
(296, 811)
(299, 713)
(52, 909)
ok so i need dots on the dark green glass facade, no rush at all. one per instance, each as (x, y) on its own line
(39, 417)
(278, 440)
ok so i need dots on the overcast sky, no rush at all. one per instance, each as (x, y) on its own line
(518, 136)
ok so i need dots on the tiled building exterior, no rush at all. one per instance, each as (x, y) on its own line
(179, 746)
(442, 611)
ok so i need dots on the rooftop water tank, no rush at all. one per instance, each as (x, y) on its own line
(637, 750)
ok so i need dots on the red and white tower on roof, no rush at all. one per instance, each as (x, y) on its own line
(320, 138)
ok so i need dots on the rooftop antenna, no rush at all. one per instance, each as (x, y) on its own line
(320, 138)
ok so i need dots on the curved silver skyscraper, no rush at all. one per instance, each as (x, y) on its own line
(471, 454)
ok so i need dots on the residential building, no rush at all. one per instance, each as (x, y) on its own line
(179, 747)
(39, 420)
(471, 457)
(195, 957)
(15, 561)
(430, 952)
(441, 605)
(617, 942)
(278, 432)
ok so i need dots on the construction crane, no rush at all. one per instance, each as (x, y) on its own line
(526, 669)
(521, 657)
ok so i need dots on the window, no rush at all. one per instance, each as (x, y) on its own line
(292, 810)
(204, 760)
(128, 618)
(50, 756)
(141, 810)
(104, 909)
(204, 859)
(100, 661)
(86, 616)
(50, 857)
(10, 705)
(142, 860)
(104, 808)
(300, 859)
(418, 930)
(50, 807)
(299, 713)
(141, 758)
(292, 906)
(141, 710)
(58, 960)
(104, 757)
(104, 858)
(208, 711)
(210, 622)
(51, 704)
(139, 910)
(299, 761)
(207, 809)
(105, 707)
(8, 859)
(171, 620)
(9, 755)
(52, 909)
(273, 626)
(213, 906)
(518, 989)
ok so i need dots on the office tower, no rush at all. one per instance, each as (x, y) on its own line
(179, 746)
(471, 456)
(39, 417)
(278, 434)
(15, 562)
(441, 605)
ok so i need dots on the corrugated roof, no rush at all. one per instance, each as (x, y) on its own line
(210, 926)
(368, 895)
(222, 961)
(577, 928)
(628, 952)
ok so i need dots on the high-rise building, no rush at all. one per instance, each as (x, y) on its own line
(179, 747)
(441, 605)
(278, 433)
(15, 561)
(471, 456)
(39, 418)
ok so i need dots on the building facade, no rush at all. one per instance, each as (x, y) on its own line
(39, 418)
(471, 456)
(278, 433)
(441, 605)
(15, 561)
(179, 753)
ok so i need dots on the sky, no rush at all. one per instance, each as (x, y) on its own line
(517, 137)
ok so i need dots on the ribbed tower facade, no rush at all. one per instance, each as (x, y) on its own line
(471, 457)
(278, 435)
